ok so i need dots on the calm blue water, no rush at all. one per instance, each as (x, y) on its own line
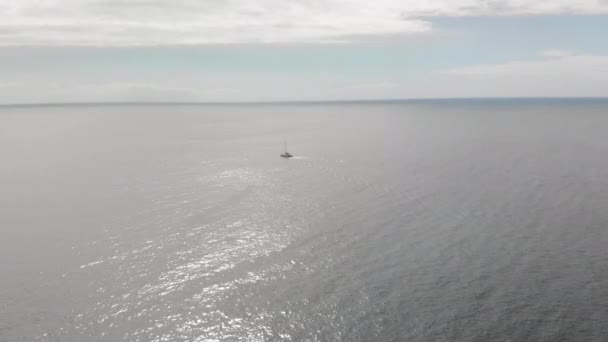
(397, 221)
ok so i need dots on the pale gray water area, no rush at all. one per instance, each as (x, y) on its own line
(413, 221)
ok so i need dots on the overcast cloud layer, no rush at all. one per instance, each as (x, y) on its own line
(166, 22)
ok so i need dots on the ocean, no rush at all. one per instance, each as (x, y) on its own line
(453, 220)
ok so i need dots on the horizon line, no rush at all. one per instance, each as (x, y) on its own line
(293, 102)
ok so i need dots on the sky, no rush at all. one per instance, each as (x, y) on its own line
(298, 50)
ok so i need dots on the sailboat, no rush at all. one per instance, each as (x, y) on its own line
(286, 154)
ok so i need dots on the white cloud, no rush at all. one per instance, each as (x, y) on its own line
(568, 75)
(556, 53)
(171, 22)
(567, 64)
(52, 92)
(130, 92)
(373, 86)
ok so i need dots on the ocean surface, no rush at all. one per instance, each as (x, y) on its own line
(462, 220)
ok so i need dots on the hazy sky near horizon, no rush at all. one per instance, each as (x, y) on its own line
(264, 50)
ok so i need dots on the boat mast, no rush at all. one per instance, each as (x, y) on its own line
(285, 145)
